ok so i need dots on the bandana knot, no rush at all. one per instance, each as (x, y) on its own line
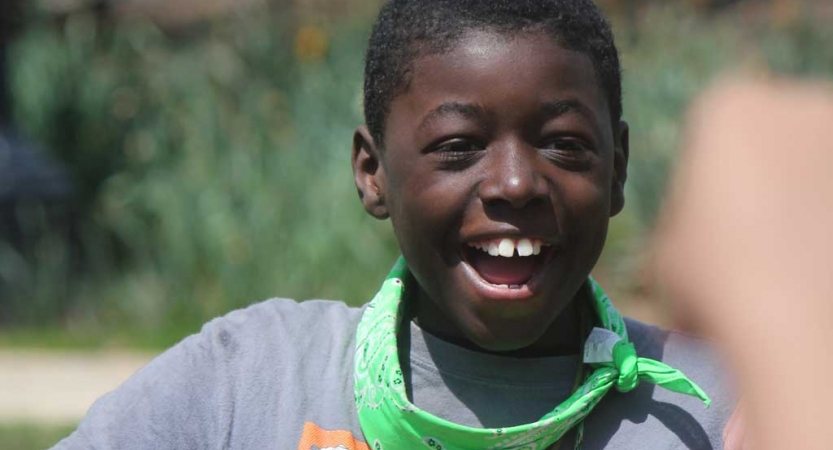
(625, 362)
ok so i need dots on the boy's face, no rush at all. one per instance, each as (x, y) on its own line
(500, 140)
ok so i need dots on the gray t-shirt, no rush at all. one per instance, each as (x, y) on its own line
(279, 375)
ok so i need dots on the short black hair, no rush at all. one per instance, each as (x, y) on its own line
(408, 29)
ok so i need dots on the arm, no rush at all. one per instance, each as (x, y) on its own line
(745, 247)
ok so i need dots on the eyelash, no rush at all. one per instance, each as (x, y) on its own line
(570, 145)
(449, 147)
(567, 151)
(457, 154)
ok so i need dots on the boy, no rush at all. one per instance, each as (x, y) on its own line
(495, 145)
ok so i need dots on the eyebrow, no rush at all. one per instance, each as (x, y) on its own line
(551, 110)
(467, 110)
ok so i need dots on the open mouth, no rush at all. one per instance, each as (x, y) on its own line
(507, 263)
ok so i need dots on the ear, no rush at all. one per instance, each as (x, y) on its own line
(621, 153)
(369, 173)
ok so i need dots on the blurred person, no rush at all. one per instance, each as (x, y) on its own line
(746, 249)
(10, 24)
(30, 181)
(494, 142)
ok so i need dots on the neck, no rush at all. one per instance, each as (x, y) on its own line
(563, 337)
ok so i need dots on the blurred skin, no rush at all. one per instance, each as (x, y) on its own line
(745, 248)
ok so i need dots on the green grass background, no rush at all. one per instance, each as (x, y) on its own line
(32, 436)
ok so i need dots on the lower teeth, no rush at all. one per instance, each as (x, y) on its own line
(511, 286)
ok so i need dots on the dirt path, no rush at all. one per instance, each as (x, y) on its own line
(58, 387)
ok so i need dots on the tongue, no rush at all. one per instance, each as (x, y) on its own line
(500, 270)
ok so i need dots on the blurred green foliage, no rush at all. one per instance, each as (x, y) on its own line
(213, 169)
(32, 437)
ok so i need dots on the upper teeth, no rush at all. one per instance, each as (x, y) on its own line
(506, 247)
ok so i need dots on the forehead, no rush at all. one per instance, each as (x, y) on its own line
(497, 72)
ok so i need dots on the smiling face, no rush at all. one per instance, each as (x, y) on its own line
(501, 147)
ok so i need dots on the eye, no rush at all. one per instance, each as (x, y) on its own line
(572, 153)
(457, 154)
(457, 146)
(566, 145)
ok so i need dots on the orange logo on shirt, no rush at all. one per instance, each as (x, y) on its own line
(314, 438)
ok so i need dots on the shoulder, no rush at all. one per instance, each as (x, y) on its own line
(666, 418)
(694, 356)
(250, 345)
(276, 320)
(239, 363)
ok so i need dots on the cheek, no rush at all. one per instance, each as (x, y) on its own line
(430, 201)
(424, 211)
(425, 221)
(584, 204)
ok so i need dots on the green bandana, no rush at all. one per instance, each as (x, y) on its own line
(389, 421)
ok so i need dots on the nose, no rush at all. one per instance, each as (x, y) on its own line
(513, 176)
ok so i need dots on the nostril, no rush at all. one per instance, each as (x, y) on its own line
(514, 176)
(514, 201)
(514, 194)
